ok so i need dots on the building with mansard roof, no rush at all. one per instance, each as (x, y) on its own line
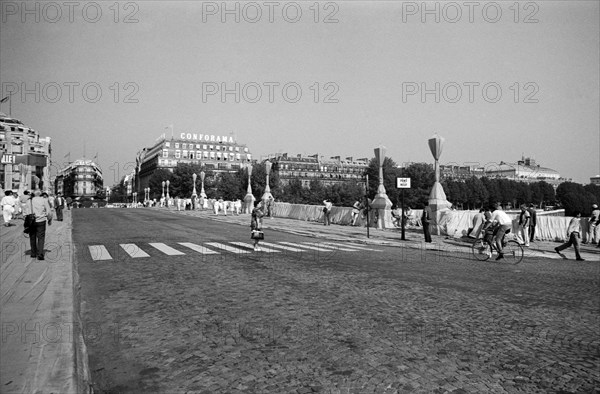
(25, 156)
(220, 153)
(329, 171)
(81, 178)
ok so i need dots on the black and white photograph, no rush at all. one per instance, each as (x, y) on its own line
(301, 197)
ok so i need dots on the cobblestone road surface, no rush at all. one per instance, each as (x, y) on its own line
(331, 322)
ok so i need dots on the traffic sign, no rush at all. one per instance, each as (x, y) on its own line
(402, 183)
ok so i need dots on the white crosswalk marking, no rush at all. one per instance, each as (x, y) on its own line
(227, 248)
(260, 245)
(272, 245)
(354, 247)
(166, 249)
(318, 247)
(133, 250)
(198, 248)
(331, 246)
(99, 252)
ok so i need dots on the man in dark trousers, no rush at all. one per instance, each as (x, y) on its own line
(59, 205)
(532, 222)
(425, 220)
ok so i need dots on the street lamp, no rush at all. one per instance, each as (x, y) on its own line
(202, 193)
(163, 190)
(194, 195)
(168, 182)
(267, 194)
(249, 198)
(437, 197)
(381, 202)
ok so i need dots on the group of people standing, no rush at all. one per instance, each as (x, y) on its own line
(40, 205)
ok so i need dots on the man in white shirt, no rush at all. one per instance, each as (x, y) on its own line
(574, 235)
(503, 223)
(37, 233)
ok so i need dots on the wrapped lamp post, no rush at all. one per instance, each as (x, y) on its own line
(202, 192)
(267, 194)
(249, 197)
(162, 196)
(194, 195)
(437, 198)
(381, 202)
(168, 197)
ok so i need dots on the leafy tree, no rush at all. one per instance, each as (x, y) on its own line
(156, 180)
(575, 198)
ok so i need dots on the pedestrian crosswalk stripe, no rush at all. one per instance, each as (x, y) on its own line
(227, 248)
(312, 247)
(282, 247)
(166, 249)
(261, 246)
(198, 248)
(354, 247)
(332, 246)
(99, 252)
(133, 250)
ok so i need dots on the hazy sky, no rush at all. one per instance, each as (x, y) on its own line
(512, 78)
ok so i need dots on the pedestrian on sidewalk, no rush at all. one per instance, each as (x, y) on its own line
(523, 231)
(574, 235)
(8, 207)
(23, 200)
(533, 222)
(327, 212)
(425, 220)
(256, 224)
(593, 221)
(37, 233)
(478, 221)
(59, 204)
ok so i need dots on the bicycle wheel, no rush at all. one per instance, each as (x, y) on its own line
(513, 252)
(481, 250)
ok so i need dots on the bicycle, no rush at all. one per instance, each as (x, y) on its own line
(512, 250)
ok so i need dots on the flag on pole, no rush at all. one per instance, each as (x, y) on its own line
(5, 99)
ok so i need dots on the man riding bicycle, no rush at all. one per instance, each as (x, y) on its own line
(503, 224)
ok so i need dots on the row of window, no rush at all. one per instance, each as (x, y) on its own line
(208, 166)
(207, 155)
(318, 175)
(205, 147)
(350, 170)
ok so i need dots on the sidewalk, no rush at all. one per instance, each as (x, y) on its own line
(414, 238)
(41, 349)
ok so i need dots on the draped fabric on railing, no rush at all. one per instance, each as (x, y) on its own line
(453, 223)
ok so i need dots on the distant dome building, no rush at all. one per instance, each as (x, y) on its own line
(525, 170)
(81, 178)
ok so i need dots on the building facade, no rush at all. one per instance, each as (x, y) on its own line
(220, 153)
(81, 178)
(328, 171)
(25, 156)
(595, 180)
(524, 170)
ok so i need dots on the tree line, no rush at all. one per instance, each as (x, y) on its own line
(471, 193)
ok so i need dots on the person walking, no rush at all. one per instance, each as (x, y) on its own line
(256, 224)
(523, 231)
(574, 235)
(425, 220)
(327, 212)
(8, 207)
(59, 205)
(356, 208)
(532, 222)
(37, 233)
(593, 221)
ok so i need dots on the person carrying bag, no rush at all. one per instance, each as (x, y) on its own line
(256, 225)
